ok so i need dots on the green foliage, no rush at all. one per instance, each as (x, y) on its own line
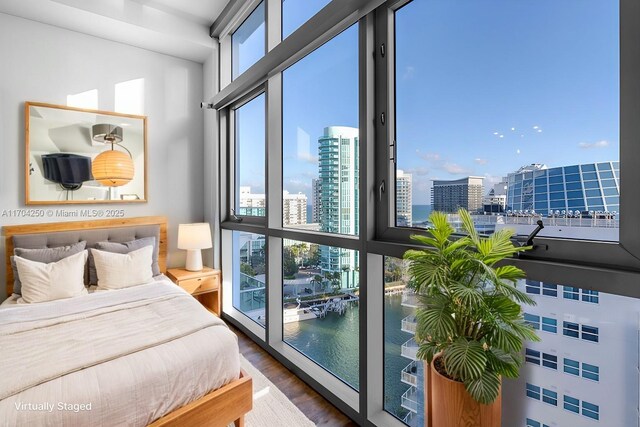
(289, 264)
(469, 310)
(313, 255)
(247, 269)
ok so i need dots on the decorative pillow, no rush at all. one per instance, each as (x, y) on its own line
(51, 281)
(117, 271)
(124, 248)
(44, 255)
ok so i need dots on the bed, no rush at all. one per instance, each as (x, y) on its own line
(145, 355)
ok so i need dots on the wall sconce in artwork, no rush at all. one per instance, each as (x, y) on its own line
(111, 168)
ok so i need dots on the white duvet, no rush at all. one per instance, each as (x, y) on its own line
(114, 358)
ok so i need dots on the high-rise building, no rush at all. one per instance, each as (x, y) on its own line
(403, 199)
(449, 196)
(494, 203)
(316, 200)
(587, 188)
(294, 208)
(251, 204)
(412, 374)
(588, 347)
(339, 182)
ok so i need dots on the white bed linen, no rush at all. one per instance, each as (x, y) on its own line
(13, 298)
(134, 355)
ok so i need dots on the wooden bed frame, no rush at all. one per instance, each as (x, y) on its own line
(218, 408)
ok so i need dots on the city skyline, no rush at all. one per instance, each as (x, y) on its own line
(510, 108)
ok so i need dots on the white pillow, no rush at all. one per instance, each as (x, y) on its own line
(47, 282)
(117, 271)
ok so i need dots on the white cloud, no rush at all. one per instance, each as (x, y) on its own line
(480, 161)
(295, 186)
(409, 72)
(455, 169)
(419, 171)
(307, 157)
(430, 157)
(491, 180)
(598, 144)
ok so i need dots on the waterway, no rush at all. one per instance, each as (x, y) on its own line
(333, 343)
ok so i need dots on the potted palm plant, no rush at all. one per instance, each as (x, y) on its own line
(470, 326)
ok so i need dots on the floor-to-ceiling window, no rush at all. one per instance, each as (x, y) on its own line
(248, 41)
(519, 127)
(353, 127)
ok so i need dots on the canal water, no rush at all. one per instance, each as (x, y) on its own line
(333, 343)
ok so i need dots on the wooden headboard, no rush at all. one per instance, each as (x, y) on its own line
(13, 230)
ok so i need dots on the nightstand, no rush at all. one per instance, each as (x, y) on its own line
(203, 285)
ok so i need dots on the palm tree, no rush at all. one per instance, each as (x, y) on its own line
(316, 280)
(328, 277)
(298, 250)
(336, 281)
(470, 314)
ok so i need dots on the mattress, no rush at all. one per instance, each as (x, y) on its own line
(116, 358)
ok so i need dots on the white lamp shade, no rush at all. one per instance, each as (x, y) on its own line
(194, 236)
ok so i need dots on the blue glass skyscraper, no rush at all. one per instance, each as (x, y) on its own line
(591, 187)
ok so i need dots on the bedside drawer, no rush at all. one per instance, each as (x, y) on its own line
(200, 284)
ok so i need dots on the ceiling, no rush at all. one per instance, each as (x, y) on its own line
(175, 27)
(203, 12)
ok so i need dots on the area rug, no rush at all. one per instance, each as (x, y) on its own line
(271, 408)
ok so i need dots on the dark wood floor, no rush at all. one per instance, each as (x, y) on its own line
(314, 406)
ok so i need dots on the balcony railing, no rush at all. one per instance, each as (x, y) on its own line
(252, 293)
(409, 299)
(410, 349)
(408, 419)
(409, 324)
(409, 376)
(410, 400)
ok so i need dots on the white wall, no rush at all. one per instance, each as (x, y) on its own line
(45, 63)
(211, 158)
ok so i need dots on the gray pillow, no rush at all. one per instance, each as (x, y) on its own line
(45, 255)
(124, 248)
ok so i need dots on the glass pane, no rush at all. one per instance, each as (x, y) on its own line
(249, 280)
(403, 372)
(578, 381)
(559, 370)
(297, 12)
(320, 306)
(248, 42)
(320, 137)
(510, 122)
(250, 160)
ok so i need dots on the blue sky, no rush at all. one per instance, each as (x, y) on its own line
(483, 87)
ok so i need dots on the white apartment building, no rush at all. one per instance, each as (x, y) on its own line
(584, 371)
(294, 208)
(404, 187)
(252, 204)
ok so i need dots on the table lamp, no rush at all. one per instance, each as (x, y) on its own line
(193, 238)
